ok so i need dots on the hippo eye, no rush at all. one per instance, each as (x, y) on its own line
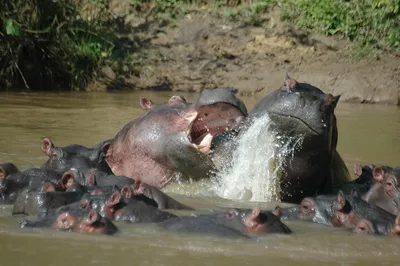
(230, 215)
(389, 184)
(84, 204)
(362, 228)
(63, 222)
(306, 208)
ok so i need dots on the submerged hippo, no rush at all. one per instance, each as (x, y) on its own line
(302, 110)
(173, 137)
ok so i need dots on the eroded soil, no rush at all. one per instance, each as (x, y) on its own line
(199, 51)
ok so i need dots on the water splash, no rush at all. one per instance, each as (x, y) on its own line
(257, 164)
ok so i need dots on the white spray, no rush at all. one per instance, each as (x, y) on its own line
(257, 163)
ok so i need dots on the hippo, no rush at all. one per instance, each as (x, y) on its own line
(135, 188)
(340, 211)
(7, 169)
(101, 178)
(317, 210)
(366, 178)
(174, 137)
(76, 156)
(300, 110)
(385, 194)
(373, 227)
(83, 221)
(41, 202)
(135, 209)
(12, 185)
(233, 223)
(348, 211)
(163, 200)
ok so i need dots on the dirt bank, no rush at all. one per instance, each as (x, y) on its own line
(199, 52)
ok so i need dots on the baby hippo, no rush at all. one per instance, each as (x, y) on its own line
(85, 221)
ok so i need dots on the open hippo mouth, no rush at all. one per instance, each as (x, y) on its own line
(212, 120)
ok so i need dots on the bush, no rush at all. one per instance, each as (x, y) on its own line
(368, 22)
(47, 45)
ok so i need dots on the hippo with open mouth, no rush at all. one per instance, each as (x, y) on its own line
(302, 110)
(174, 137)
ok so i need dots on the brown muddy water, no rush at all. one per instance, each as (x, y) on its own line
(367, 133)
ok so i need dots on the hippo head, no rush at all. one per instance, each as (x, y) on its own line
(251, 221)
(81, 221)
(173, 137)
(300, 111)
(216, 111)
(300, 108)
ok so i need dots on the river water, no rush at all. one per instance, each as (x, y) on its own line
(367, 133)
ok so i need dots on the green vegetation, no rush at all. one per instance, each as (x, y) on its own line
(64, 44)
(373, 23)
(48, 45)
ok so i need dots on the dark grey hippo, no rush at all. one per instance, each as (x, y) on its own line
(174, 137)
(302, 110)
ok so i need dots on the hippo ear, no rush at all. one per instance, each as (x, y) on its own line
(289, 84)
(126, 192)
(91, 217)
(341, 201)
(396, 226)
(67, 180)
(335, 100)
(146, 103)
(277, 211)
(90, 178)
(357, 169)
(234, 91)
(47, 146)
(138, 188)
(331, 100)
(47, 187)
(84, 203)
(3, 172)
(355, 193)
(176, 99)
(106, 148)
(251, 221)
(378, 173)
(114, 199)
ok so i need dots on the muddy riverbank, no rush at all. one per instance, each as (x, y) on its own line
(199, 51)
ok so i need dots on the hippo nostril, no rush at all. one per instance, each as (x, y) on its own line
(92, 217)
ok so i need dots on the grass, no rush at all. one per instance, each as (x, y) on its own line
(64, 44)
(374, 23)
